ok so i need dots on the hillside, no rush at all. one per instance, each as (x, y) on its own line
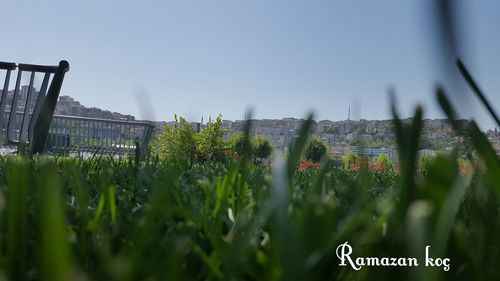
(340, 136)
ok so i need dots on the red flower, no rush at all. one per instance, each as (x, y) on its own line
(360, 163)
(379, 167)
(308, 164)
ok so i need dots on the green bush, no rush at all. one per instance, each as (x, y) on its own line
(182, 144)
(315, 149)
(262, 147)
(178, 143)
(349, 159)
(383, 162)
(210, 142)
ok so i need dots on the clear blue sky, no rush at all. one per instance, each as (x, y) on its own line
(281, 58)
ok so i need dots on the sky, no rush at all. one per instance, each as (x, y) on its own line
(194, 58)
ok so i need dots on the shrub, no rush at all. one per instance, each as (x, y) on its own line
(262, 147)
(177, 143)
(315, 149)
(382, 163)
(210, 142)
(182, 144)
(349, 159)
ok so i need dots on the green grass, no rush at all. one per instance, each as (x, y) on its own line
(129, 219)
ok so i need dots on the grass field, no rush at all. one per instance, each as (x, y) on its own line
(162, 219)
(129, 219)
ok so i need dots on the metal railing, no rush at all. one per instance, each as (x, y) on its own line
(81, 135)
(27, 120)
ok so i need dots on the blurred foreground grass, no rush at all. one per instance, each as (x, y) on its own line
(109, 219)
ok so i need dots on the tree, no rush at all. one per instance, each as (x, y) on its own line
(425, 142)
(210, 142)
(237, 143)
(177, 143)
(262, 147)
(258, 147)
(315, 149)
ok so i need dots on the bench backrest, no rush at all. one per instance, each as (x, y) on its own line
(26, 114)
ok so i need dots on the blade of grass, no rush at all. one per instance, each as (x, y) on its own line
(284, 241)
(298, 145)
(112, 203)
(408, 139)
(54, 255)
(17, 232)
(447, 216)
(479, 140)
(465, 73)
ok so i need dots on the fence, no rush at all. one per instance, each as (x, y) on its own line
(82, 135)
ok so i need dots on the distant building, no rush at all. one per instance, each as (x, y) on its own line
(69, 106)
(339, 150)
(374, 152)
(196, 126)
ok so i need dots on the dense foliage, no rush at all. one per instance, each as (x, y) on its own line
(315, 149)
(182, 143)
(262, 147)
